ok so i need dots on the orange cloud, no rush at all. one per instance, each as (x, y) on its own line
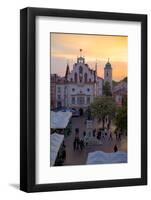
(101, 47)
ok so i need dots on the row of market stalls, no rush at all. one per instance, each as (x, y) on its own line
(60, 123)
(56, 141)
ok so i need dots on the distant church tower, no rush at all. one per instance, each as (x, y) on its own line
(108, 73)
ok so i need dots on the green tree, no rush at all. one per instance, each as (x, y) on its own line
(102, 107)
(107, 89)
(121, 117)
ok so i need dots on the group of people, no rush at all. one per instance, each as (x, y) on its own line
(102, 134)
(78, 144)
(118, 134)
(105, 134)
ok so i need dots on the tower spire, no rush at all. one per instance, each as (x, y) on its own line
(81, 58)
(67, 70)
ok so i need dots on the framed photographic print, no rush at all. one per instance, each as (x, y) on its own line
(83, 99)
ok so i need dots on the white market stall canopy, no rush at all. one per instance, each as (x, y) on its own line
(55, 143)
(100, 157)
(60, 120)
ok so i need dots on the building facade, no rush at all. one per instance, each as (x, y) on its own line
(120, 93)
(54, 79)
(78, 88)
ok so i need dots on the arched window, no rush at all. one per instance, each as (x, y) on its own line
(80, 70)
(85, 77)
(80, 78)
(75, 77)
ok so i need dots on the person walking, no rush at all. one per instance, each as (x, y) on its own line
(116, 134)
(103, 135)
(115, 148)
(119, 136)
(77, 143)
(94, 131)
(84, 133)
(74, 144)
(76, 138)
(81, 144)
(110, 135)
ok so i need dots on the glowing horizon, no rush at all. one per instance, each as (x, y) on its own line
(66, 48)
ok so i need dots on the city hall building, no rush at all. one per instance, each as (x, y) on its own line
(78, 88)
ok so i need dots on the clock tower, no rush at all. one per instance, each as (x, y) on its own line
(108, 73)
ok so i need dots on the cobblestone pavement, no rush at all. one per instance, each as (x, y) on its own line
(79, 157)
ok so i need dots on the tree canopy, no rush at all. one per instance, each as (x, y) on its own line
(107, 89)
(102, 107)
(121, 117)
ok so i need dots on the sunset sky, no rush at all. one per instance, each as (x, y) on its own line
(66, 47)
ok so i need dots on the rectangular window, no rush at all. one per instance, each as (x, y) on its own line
(58, 89)
(59, 97)
(80, 100)
(73, 100)
(88, 100)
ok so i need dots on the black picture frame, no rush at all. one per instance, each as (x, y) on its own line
(28, 99)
